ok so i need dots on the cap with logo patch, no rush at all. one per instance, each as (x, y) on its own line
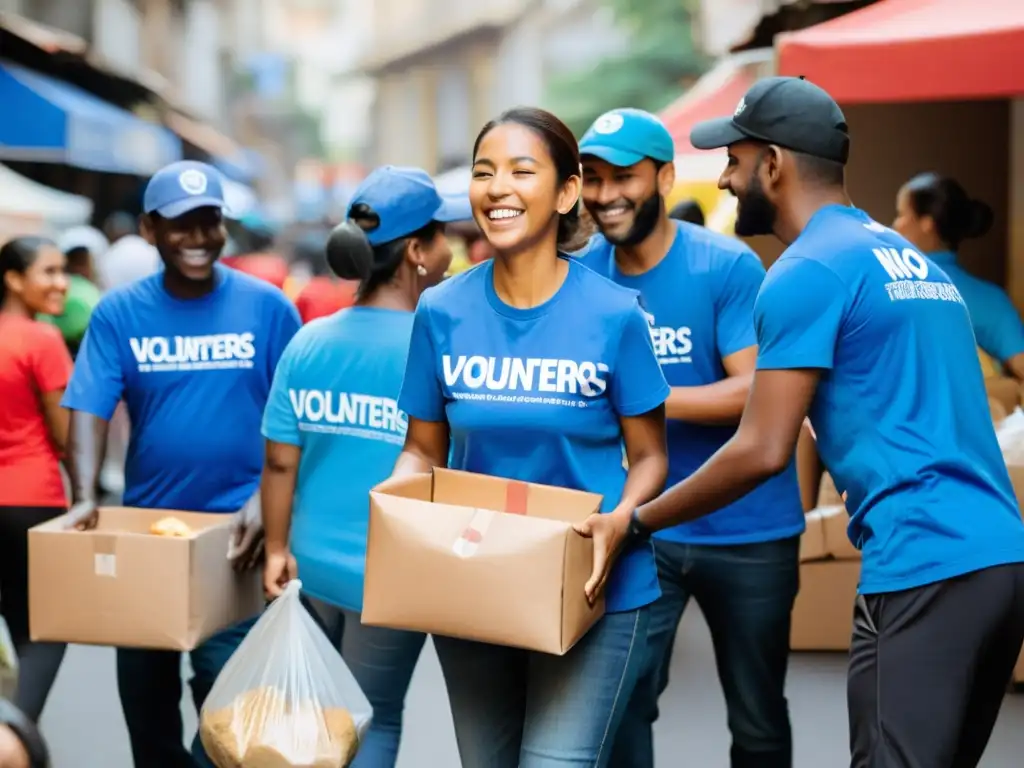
(405, 200)
(788, 111)
(624, 137)
(181, 187)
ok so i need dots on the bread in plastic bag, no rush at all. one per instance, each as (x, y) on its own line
(285, 699)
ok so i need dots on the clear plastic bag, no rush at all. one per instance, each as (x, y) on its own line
(285, 699)
(1010, 434)
(8, 664)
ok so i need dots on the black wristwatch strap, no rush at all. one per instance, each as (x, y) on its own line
(638, 532)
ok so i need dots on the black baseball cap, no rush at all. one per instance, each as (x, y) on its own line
(788, 111)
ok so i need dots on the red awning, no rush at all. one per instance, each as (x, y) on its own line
(705, 101)
(913, 50)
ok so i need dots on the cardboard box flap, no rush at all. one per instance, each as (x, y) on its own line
(466, 489)
(418, 486)
(131, 520)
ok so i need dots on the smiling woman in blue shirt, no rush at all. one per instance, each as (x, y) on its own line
(334, 430)
(936, 214)
(528, 305)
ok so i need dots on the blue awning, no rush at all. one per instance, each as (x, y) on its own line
(50, 121)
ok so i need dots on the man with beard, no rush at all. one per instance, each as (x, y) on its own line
(741, 565)
(860, 330)
(192, 351)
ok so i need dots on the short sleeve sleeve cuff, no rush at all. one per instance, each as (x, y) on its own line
(798, 315)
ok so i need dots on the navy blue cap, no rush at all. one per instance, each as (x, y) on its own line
(181, 187)
(624, 137)
(405, 200)
(788, 111)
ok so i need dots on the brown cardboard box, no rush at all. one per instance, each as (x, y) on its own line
(481, 558)
(998, 411)
(120, 585)
(812, 543)
(1004, 389)
(808, 468)
(823, 611)
(828, 495)
(835, 521)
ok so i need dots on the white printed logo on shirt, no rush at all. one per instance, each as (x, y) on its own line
(908, 272)
(671, 345)
(536, 380)
(349, 413)
(212, 352)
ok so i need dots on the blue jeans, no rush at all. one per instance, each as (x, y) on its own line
(746, 594)
(150, 686)
(519, 709)
(382, 662)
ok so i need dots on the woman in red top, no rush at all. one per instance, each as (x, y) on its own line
(34, 369)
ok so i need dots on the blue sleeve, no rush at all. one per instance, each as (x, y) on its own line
(637, 383)
(798, 315)
(280, 423)
(734, 319)
(97, 382)
(285, 328)
(997, 326)
(422, 397)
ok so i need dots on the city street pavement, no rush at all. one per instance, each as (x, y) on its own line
(84, 726)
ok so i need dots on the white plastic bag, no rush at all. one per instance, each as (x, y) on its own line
(1010, 434)
(285, 699)
(8, 664)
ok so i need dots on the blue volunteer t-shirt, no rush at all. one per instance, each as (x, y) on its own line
(335, 396)
(536, 394)
(997, 325)
(195, 375)
(699, 301)
(902, 423)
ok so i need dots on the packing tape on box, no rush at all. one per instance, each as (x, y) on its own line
(516, 495)
(469, 540)
(104, 547)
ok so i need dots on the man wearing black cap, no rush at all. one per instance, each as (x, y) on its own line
(866, 335)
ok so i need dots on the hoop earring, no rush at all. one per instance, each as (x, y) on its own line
(421, 270)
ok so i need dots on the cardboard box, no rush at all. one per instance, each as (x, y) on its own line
(823, 611)
(120, 585)
(812, 543)
(808, 468)
(835, 521)
(481, 558)
(828, 494)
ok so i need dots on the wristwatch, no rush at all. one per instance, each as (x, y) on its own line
(637, 533)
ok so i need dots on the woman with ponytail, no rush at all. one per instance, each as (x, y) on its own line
(334, 430)
(936, 214)
(533, 367)
(34, 370)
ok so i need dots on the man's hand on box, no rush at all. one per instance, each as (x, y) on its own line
(278, 570)
(82, 516)
(246, 544)
(609, 534)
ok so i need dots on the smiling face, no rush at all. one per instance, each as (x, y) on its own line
(190, 244)
(625, 202)
(515, 190)
(756, 213)
(43, 286)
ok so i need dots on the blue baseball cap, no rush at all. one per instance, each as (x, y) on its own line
(624, 137)
(406, 200)
(181, 187)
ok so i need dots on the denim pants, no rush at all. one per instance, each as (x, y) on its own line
(382, 662)
(746, 594)
(520, 709)
(150, 686)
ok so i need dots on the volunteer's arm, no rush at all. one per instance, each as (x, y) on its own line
(277, 492)
(87, 441)
(647, 457)
(423, 401)
(51, 370)
(718, 403)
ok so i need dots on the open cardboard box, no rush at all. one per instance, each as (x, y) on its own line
(120, 585)
(481, 558)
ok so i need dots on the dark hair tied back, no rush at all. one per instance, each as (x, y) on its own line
(17, 255)
(564, 151)
(349, 253)
(957, 217)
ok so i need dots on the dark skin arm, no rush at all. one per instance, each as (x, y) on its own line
(426, 447)
(87, 439)
(1015, 366)
(57, 420)
(647, 457)
(762, 447)
(277, 491)
(718, 403)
